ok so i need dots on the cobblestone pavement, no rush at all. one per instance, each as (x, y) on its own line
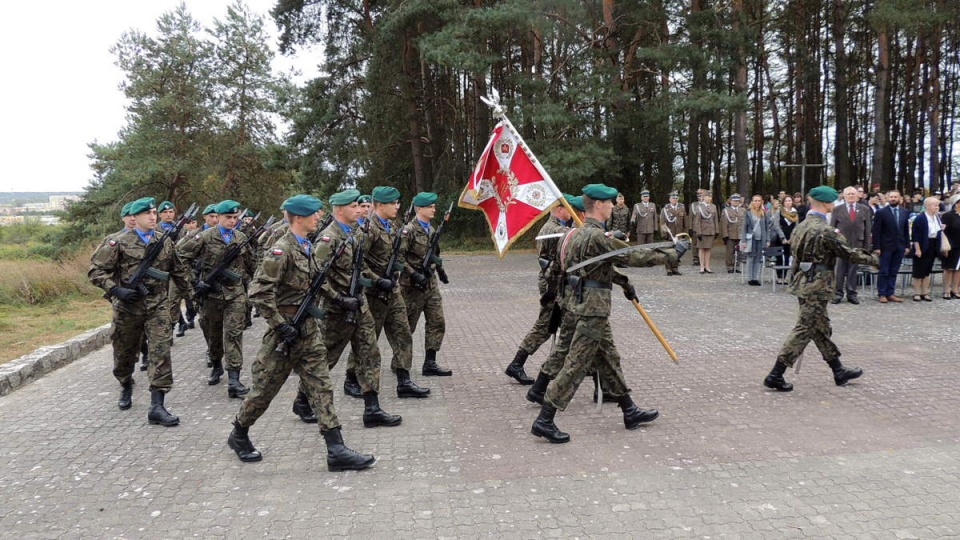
(879, 458)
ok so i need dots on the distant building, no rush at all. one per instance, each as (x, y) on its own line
(60, 202)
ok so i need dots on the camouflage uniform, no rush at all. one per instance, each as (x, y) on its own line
(619, 219)
(814, 241)
(112, 264)
(427, 301)
(277, 289)
(360, 333)
(591, 309)
(224, 308)
(548, 283)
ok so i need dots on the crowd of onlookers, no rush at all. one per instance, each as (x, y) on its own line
(919, 231)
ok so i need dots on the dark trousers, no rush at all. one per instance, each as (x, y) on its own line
(889, 266)
(846, 273)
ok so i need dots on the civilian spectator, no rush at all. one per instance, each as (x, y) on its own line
(787, 220)
(926, 232)
(951, 261)
(759, 230)
(891, 242)
(853, 220)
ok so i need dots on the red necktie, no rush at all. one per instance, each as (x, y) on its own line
(853, 213)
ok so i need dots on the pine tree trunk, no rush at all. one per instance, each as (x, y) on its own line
(880, 112)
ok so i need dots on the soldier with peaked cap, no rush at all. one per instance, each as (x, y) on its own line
(348, 316)
(223, 305)
(590, 304)
(731, 221)
(816, 248)
(673, 217)
(278, 289)
(420, 292)
(143, 309)
(384, 298)
(644, 219)
(620, 218)
(693, 234)
(548, 282)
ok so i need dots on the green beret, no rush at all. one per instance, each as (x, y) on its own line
(249, 213)
(302, 205)
(344, 197)
(424, 198)
(227, 207)
(577, 204)
(125, 211)
(386, 194)
(569, 198)
(165, 205)
(824, 194)
(600, 192)
(210, 209)
(364, 199)
(142, 205)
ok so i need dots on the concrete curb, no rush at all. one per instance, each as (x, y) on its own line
(32, 366)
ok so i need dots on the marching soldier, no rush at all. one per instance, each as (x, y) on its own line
(548, 282)
(210, 217)
(816, 248)
(140, 308)
(620, 219)
(590, 304)
(348, 317)
(384, 298)
(420, 292)
(673, 216)
(644, 219)
(223, 304)
(731, 221)
(167, 215)
(129, 224)
(366, 207)
(278, 289)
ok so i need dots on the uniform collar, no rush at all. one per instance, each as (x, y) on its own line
(145, 236)
(344, 227)
(424, 224)
(385, 223)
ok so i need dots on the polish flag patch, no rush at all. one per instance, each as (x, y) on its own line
(278, 252)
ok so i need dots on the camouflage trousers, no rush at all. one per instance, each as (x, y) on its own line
(132, 323)
(812, 325)
(552, 366)
(390, 317)
(540, 332)
(430, 304)
(308, 357)
(362, 337)
(591, 336)
(223, 323)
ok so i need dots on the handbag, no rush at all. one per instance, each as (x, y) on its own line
(945, 246)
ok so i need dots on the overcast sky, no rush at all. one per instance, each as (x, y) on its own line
(60, 84)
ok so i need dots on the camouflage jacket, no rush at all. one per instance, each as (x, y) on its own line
(209, 247)
(815, 242)
(589, 241)
(271, 235)
(380, 246)
(117, 258)
(620, 219)
(338, 278)
(549, 265)
(413, 249)
(283, 277)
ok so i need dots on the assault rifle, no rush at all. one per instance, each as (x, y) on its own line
(145, 268)
(429, 267)
(327, 220)
(221, 272)
(392, 269)
(244, 226)
(308, 306)
(356, 287)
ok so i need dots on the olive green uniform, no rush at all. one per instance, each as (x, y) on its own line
(548, 283)
(731, 223)
(644, 221)
(819, 245)
(427, 301)
(224, 308)
(112, 264)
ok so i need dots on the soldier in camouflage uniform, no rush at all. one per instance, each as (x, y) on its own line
(620, 219)
(421, 292)
(548, 282)
(384, 298)
(590, 304)
(137, 311)
(278, 289)
(224, 303)
(348, 317)
(816, 246)
(166, 216)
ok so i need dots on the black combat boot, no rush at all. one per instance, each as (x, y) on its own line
(374, 416)
(515, 368)
(407, 388)
(126, 396)
(234, 387)
(430, 367)
(301, 408)
(775, 379)
(544, 427)
(633, 416)
(191, 322)
(539, 388)
(216, 372)
(158, 413)
(181, 326)
(341, 458)
(351, 386)
(239, 441)
(248, 320)
(842, 375)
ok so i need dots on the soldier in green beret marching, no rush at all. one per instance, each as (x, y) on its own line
(421, 292)
(816, 246)
(223, 304)
(142, 309)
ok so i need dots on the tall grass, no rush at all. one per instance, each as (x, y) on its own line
(33, 282)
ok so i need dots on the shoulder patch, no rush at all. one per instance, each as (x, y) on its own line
(836, 231)
(196, 237)
(112, 242)
(608, 234)
(278, 252)
(324, 238)
(404, 231)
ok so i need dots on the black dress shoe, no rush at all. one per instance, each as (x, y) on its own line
(853, 300)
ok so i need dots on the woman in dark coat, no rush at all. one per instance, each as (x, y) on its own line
(951, 261)
(788, 218)
(925, 234)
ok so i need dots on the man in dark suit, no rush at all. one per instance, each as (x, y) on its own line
(891, 242)
(853, 220)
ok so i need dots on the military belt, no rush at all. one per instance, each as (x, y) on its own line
(288, 310)
(594, 284)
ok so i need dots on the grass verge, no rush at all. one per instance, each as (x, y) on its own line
(25, 328)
